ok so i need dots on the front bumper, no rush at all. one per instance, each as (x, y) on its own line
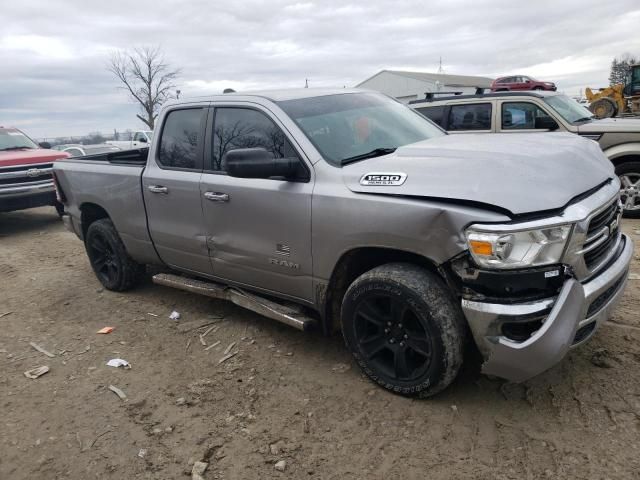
(26, 196)
(567, 321)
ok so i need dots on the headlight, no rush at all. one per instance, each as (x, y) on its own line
(517, 249)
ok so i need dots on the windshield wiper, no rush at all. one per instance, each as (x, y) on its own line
(12, 148)
(376, 152)
(583, 119)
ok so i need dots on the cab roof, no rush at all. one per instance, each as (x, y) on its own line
(275, 95)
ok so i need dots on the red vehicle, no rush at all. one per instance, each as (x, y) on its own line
(26, 172)
(520, 82)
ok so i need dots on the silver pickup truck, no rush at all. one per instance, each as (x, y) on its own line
(348, 211)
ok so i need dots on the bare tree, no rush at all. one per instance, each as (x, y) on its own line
(620, 68)
(146, 77)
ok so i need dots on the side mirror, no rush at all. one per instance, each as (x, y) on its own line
(259, 163)
(142, 140)
(46, 145)
(546, 123)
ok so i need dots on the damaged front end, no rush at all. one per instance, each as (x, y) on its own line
(525, 320)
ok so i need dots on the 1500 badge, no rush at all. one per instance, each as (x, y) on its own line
(383, 179)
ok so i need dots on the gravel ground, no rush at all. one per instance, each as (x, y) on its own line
(285, 396)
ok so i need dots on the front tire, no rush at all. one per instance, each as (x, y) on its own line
(404, 329)
(109, 259)
(629, 174)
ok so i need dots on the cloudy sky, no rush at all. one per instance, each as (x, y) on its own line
(53, 54)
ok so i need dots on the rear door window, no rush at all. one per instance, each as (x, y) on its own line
(475, 116)
(180, 139)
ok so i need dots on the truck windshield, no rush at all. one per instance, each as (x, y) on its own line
(355, 126)
(12, 139)
(568, 108)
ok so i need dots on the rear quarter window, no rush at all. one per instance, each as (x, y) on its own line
(434, 113)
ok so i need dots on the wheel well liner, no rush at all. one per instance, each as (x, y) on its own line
(90, 213)
(350, 266)
(625, 158)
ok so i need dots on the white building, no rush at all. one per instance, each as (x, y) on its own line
(407, 86)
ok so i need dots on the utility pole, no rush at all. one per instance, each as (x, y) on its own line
(440, 69)
(306, 83)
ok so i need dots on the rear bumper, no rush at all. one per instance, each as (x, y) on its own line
(568, 320)
(21, 197)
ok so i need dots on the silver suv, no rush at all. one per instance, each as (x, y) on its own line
(534, 112)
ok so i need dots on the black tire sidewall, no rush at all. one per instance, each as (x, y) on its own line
(624, 168)
(432, 379)
(107, 232)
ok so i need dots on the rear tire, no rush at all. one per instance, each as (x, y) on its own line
(604, 108)
(629, 174)
(404, 329)
(109, 259)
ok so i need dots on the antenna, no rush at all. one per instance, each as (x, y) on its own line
(440, 69)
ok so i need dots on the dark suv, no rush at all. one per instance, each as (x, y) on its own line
(520, 82)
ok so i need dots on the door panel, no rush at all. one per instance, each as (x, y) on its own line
(171, 189)
(260, 236)
(175, 218)
(258, 230)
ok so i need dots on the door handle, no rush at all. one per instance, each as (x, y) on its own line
(158, 189)
(216, 196)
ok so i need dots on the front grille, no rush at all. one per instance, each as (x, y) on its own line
(602, 234)
(18, 175)
(602, 219)
(25, 179)
(595, 256)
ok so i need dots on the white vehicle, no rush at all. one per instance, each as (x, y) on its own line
(140, 139)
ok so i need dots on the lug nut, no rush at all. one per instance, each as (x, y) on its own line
(406, 336)
(402, 344)
(399, 325)
(389, 324)
(392, 340)
(386, 330)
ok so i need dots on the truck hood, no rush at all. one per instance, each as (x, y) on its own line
(607, 125)
(520, 173)
(12, 158)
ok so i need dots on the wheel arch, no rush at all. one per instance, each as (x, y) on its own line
(619, 154)
(354, 263)
(89, 213)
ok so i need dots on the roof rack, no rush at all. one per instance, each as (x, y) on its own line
(429, 96)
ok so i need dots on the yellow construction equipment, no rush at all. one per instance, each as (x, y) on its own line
(621, 99)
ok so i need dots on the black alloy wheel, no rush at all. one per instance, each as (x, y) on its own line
(392, 338)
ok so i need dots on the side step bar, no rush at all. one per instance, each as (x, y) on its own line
(282, 313)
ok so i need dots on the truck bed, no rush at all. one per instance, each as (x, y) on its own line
(109, 182)
(137, 156)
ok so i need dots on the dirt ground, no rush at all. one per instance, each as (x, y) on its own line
(285, 395)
